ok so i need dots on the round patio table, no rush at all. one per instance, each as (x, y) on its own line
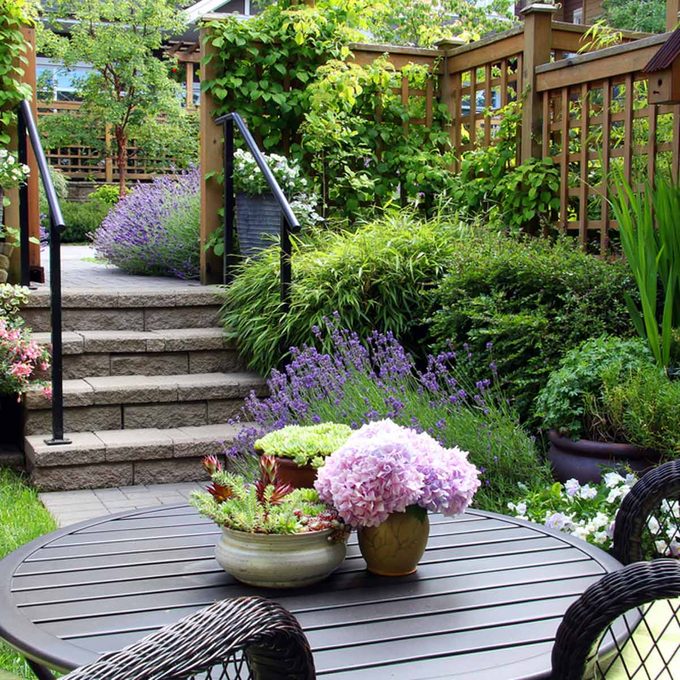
(484, 604)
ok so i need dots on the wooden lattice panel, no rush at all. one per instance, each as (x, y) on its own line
(596, 130)
(476, 94)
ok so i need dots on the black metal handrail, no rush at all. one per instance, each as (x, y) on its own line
(28, 130)
(289, 223)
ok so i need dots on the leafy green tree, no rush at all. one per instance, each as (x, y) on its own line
(636, 15)
(122, 40)
(423, 22)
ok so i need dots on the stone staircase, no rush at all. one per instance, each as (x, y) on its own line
(149, 385)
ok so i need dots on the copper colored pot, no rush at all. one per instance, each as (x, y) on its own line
(298, 477)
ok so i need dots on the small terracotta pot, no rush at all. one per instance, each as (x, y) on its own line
(395, 547)
(299, 477)
(585, 460)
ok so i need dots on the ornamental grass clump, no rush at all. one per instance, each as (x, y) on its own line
(304, 444)
(360, 381)
(385, 468)
(265, 506)
(154, 230)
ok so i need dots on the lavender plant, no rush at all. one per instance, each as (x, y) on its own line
(154, 229)
(357, 382)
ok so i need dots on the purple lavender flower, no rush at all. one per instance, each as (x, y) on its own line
(154, 229)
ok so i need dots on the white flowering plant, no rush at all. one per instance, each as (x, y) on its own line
(12, 173)
(248, 177)
(588, 511)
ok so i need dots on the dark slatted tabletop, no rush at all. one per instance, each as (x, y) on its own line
(485, 602)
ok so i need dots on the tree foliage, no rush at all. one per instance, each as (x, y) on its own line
(130, 85)
(422, 22)
(636, 15)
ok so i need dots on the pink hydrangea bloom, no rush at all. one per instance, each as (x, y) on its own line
(383, 468)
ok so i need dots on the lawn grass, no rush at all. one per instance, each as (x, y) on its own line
(22, 518)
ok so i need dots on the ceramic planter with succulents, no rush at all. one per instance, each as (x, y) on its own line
(609, 406)
(273, 536)
(384, 480)
(302, 449)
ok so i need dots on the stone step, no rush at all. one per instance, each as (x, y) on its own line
(155, 309)
(160, 352)
(112, 458)
(144, 401)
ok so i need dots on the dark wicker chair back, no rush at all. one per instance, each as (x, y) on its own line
(624, 626)
(648, 522)
(247, 637)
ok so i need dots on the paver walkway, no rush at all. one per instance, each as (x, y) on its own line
(69, 507)
(80, 270)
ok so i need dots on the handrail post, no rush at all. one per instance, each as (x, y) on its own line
(229, 253)
(57, 348)
(24, 240)
(56, 225)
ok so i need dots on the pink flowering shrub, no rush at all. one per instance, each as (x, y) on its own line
(384, 468)
(22, 360)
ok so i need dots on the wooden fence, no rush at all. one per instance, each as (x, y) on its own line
(584, 108)
(83, 162)
(597, 119)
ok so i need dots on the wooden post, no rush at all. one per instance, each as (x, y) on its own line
(12, 211)
(108, 159)
(189, 66)
(450, 84)
(211, 163)
(34, 178)
(537, 46)
(672, 12)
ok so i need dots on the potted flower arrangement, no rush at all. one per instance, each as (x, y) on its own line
(23, 362)
(273, 536)
(384, 480)
(12, 175)
(609, 405)
(302, 449)
(257, 212)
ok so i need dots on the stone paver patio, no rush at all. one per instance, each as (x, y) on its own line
(80, 270)
(69, 507)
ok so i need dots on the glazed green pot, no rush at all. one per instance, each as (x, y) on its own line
(395, 547)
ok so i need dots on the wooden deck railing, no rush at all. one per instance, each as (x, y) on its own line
(597, 119)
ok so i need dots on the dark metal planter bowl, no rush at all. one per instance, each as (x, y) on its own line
(257, 219)
(585, 460)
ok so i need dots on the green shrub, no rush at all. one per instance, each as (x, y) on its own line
(569, 402)
(106, 193)
(643, 409)
(531, 300)
(82, 219)
(378, 277)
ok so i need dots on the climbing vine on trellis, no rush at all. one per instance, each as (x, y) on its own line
(266, 64)
(369, 142)
(13, 15)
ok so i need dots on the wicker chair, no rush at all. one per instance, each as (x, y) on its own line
(586, 646)
(247, 637)
(640, 530)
